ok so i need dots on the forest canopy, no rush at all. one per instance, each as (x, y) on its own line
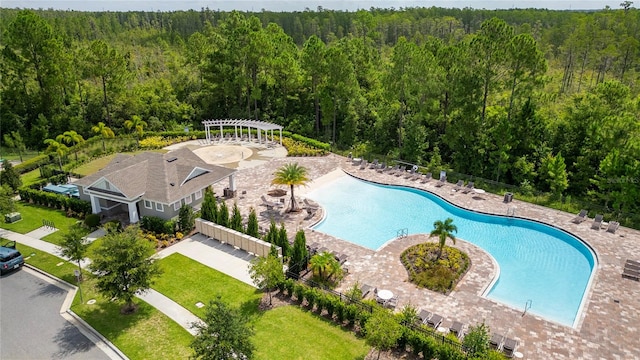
(547, 99)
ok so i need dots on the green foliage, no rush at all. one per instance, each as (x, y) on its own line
(92, 220)
(31, 164)
(476, 341)
(9, 176)
(74, 245)
(56, 201)
(266, 273)
(7, 204)
(382, 331)
(555, 173)
(236, 219)
(299, 254)
(283, 241)
(427, 270)
(291, 175)
(209, 208)
(223, 214)
(186, 219)
(252, 224)
(153, 224)
(326, 268)
(224, 335)
(124, 267)
(443, 230)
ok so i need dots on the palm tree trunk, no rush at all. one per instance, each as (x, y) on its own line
(294, 204)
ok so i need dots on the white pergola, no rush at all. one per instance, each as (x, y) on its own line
(260, 126)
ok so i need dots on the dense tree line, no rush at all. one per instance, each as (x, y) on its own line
(535, 97)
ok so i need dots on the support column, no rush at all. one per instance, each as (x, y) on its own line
(280, 136)
(95, 204)
(221, 133)
(133, 213)
(232, 182)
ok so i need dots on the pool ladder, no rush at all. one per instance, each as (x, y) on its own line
(511, 211)
(402, 233)
(527, 306)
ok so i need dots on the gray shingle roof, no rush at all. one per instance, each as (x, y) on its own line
(151, 175)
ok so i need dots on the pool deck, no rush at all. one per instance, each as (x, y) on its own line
(608, 326)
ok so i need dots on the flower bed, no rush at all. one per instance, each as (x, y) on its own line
(425, 270)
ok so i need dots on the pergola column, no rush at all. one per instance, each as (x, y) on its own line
(232, 182)
(95, 204)
(133, 213)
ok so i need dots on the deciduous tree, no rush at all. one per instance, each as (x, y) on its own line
(224, 334)
(266, 272)
(124, 266)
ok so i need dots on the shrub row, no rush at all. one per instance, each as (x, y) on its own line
(311, 142)
(341, 310)
(32, 164)
(158, 225)
(56, 179)
(74, 206)
(297, 148)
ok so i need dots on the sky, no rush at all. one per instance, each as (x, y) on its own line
(299, 5)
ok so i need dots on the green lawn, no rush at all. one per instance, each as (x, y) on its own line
(32, 216)
(147, 334)
(187, 282)
(282, 333)
(289, 333)
(95, 165)
(56, 237)
(30, 177)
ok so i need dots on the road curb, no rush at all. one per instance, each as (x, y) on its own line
(65, 311)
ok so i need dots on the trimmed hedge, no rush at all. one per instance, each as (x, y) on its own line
(32, 164)
(311, 142)
(55, 201)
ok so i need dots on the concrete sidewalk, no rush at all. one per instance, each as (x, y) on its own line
(212, 253)
(208, 252)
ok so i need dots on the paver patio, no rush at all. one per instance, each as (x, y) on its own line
(607, 327)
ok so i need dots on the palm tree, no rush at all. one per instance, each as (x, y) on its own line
(104, 131)
(291, 175)
(444, 230)
(70, 137)
(324, 264)
(136, 125)
(59, 148)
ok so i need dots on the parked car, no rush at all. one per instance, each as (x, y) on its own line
(10, 257)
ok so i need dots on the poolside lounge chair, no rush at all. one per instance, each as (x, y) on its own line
(434, 321)
(382, 168)
(424, 316)
(366, 289)
(496, 341)
(509, 347)
(631, 270)
(468, 188)
(416, 176)
(269, 204)
(394, 169)
(582, 216)
(401, 171)
(459, 185)
(597, 222)
(613, 226)
(313, 248)
(392, 303)
(442, 181)
(363, 164)
(310, 205)
(374, 164)
(426, 178)
(410, 173)
(457, 328)
(341, 258)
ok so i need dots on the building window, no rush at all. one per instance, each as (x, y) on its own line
(176, 205)
(159, 207)
(147, 204)
(187, 200)
(198, 194)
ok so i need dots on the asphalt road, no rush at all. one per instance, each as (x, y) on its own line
(31, 326)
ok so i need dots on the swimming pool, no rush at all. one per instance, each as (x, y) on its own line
(537, 262)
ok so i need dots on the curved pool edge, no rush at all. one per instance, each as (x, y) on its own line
(579, 318)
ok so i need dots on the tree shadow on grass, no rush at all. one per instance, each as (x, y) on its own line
(107, 319)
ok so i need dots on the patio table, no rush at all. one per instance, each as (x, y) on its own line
(385, 294)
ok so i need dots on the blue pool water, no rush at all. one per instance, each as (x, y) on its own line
(537, 262)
